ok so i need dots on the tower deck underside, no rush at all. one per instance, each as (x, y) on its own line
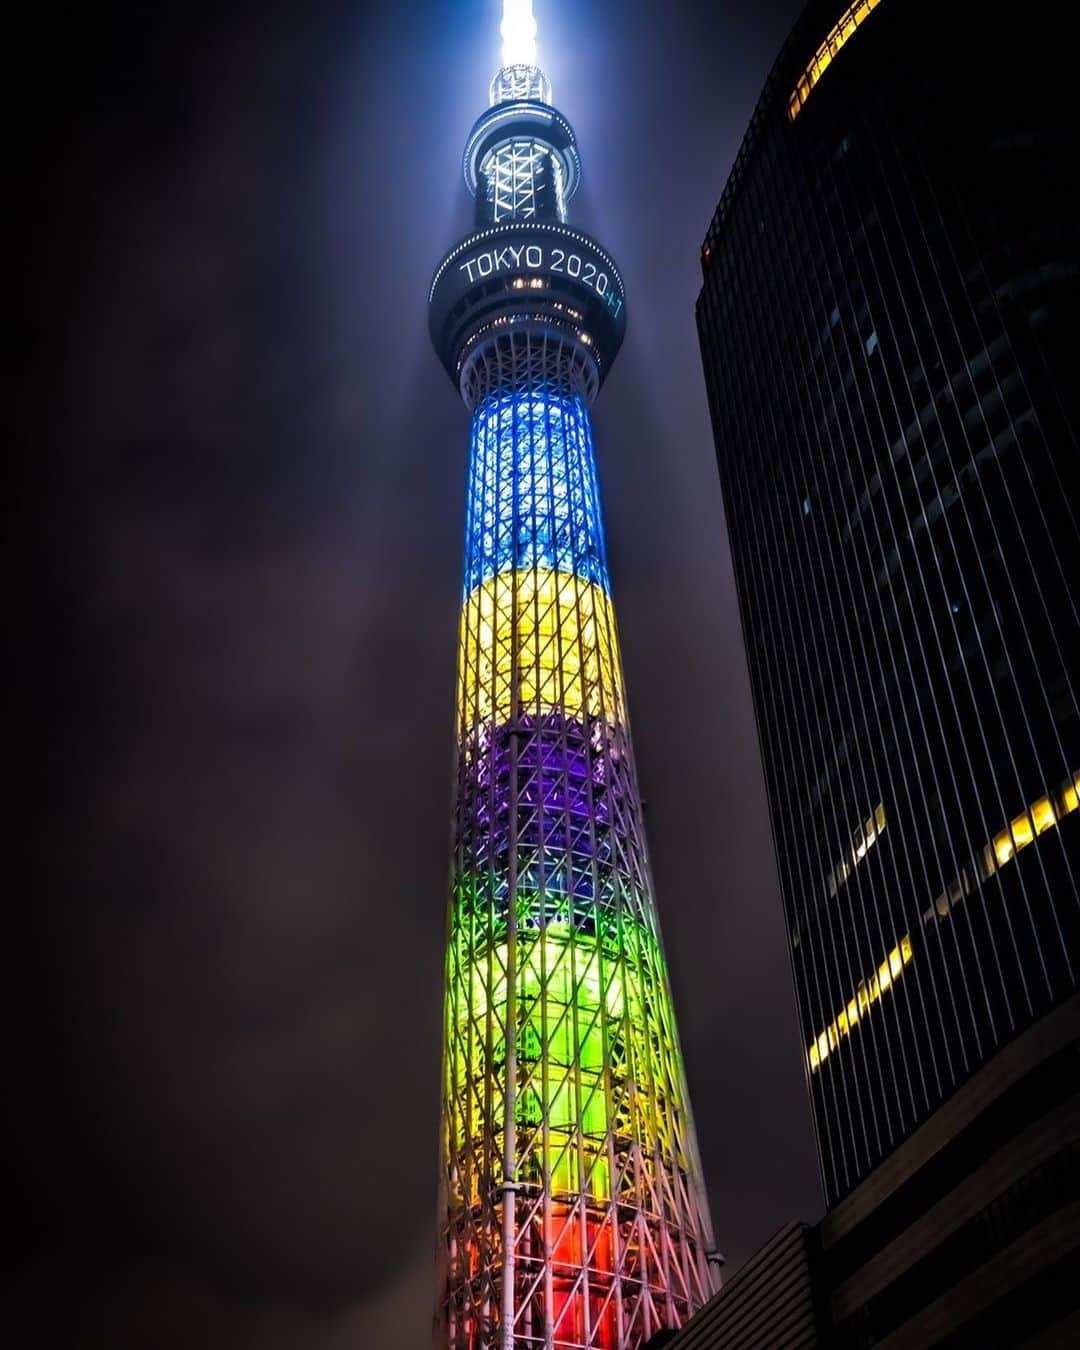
(564, 1086)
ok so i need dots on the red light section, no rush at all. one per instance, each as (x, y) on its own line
(582, 1242)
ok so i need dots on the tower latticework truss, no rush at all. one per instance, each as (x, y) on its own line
(574, 1214)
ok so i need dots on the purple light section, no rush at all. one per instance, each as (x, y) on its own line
(569, 807)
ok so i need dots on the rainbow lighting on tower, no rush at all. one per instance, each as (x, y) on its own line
(573, 1210)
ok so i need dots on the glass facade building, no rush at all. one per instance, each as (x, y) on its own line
(888, 327)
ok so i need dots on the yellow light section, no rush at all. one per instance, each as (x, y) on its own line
(550, 633)
(845, 28)
(867, 994)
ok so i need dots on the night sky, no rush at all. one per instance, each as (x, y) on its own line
(241, 486)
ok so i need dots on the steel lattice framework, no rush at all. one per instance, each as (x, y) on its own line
(574, 1214)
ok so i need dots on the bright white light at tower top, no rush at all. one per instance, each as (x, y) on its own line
(518, 31)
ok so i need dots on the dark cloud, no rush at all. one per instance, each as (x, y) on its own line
(240, 493)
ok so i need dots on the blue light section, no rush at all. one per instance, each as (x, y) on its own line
(533, 498)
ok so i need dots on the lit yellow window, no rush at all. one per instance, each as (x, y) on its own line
(1006, 844)
(1022, 831)
(1003, 846)
(867, 993)
(1043, 814)
(844, 28)
(862, 840)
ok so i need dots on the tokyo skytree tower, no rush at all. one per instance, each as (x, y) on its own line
(573, 1210)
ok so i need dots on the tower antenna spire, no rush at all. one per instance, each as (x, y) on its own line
(519, 77)
(518, 30)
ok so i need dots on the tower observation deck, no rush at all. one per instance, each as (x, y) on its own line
(573, 1215)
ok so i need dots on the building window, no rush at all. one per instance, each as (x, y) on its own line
(1022, 830)
(1025, 828)
(864, 838)
(845, 28)
(867, 994)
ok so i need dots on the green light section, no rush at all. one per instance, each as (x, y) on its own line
(593, 1015)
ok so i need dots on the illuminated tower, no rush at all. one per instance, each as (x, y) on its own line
(574, 1214)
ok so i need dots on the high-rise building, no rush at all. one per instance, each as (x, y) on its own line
(888, 326)
(574, 1211)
